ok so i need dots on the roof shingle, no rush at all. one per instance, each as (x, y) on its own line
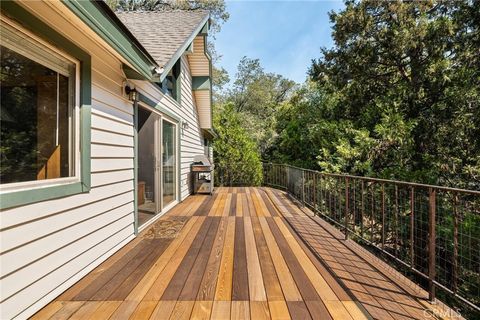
(162, 33)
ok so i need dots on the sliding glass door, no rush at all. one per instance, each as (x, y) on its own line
(148, 174)
(169, 162)
(157, 164)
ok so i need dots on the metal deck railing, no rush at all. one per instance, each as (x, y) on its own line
(430, 232)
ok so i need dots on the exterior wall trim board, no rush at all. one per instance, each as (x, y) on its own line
(97, 17)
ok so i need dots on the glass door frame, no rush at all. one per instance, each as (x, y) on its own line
(176, 196)
(158, 166)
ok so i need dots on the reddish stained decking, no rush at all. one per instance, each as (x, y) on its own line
(241, 253)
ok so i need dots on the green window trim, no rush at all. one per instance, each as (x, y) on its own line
(15, 198)
(177, 72)
(201, 83)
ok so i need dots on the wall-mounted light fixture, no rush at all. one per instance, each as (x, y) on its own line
(130, 91)
(185, 125)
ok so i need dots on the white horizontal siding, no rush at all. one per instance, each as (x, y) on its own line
(47, 246)
(191, 142)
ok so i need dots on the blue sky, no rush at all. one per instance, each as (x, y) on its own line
(284, 35)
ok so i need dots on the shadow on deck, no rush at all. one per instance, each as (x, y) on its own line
(239, 254)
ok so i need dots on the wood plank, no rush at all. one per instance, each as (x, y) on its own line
(278, 204)
(245, 205)
(261, 203)
(163, 280)
(228, 202)
(216, 204)
(279, 310)
(202, 310)
(283, 202)
(182, 310)
(259, 310)
(68, 308)
(48, 311)
(105, 273)
(223, 290)
(192, 283)
(206, 206)
(144, 310)
(233, 205)
(298, 310)
(338, 311)
(268, 203)
(302, 281)
(258, 209)
(270, 278)
(329, 278)
(175, 286)
(189, 206)
(92, 276)
(255, 279)
(240, 310)
(105, 310)
(240, 277)
(124, 289)
(321, 286)
(186, 235)
(163, 310)
(221, 310)
(209, 281)
(85, 311)
(355, 310)
(318, 310)
(124, 310)
(251, 207)
(239, 206)
(221, 205)
(109, 288)
(289, 287)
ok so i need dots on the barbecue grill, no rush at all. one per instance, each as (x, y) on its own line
(202, 171)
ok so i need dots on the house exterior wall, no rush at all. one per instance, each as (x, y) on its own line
(47, 246)
(191, 138)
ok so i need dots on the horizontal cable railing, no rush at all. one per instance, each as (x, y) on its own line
(433, 231)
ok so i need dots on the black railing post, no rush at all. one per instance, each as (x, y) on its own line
(412, 227)
(347, 206)
(383, 216)
(314, 193)
(431, 243)
(455, 244)
(303, 187)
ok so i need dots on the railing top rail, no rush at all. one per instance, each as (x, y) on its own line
(404, 183)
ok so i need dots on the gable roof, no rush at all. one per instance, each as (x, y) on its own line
(165, 34)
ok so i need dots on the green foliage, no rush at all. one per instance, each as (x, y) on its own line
(398, 96)
(257, 95)
(236, 155)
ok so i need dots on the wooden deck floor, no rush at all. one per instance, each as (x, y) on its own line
(243, 253)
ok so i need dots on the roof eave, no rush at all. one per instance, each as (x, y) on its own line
(171, 62)
(103, 21)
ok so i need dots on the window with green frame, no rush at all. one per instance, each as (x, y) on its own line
(171, 85)
(45, 111)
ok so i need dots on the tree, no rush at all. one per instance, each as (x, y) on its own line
(236, 155)
(257, 95)
(405, 74)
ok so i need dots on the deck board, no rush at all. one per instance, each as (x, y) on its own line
(242, 253)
